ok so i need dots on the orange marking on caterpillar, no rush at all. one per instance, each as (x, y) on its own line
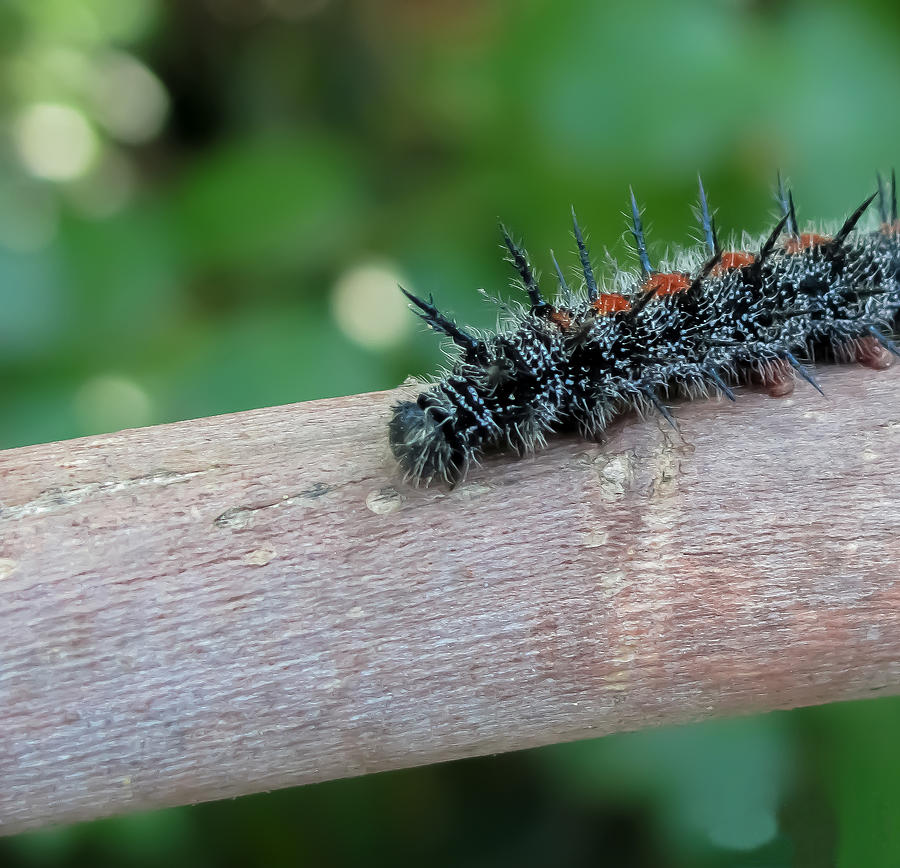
(667, 283)
(562, 318)
(610, 302)
(733, 259)
(805, 241)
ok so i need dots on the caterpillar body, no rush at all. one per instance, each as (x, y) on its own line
(719, 317)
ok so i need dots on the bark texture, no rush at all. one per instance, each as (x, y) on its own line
(253, 601)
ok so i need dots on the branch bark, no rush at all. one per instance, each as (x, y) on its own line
(253, 601)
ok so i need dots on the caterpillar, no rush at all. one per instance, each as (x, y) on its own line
(712, 320)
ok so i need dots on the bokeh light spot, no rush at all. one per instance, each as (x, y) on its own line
(55, 141)
(368, 306)
(129, 100)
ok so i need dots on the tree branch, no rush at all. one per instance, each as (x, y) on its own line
(253, 601)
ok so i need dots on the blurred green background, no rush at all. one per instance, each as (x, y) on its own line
(206, 205)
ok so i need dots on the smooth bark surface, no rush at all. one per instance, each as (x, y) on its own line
(253, 601)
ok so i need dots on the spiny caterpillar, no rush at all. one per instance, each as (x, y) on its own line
(721, 317)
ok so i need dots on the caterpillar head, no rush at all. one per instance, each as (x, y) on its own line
(418, 438)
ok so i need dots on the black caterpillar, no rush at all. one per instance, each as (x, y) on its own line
(722, 317)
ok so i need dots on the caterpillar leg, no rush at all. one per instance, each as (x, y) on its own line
(871, 354)
(776, 377)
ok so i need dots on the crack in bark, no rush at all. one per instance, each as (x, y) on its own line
(52, 499)
(241, 516)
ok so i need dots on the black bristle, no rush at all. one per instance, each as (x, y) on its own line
(519, 259)
(852, 220)
(428, 312)
(792, 225)
(785, 201)
(720, 383)
(705, 221)
(585, 258)
(800, 369)
(766, 250)
(562, 280)
(637, 230)
(884, 210)
(662, 408)
(893, 195)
